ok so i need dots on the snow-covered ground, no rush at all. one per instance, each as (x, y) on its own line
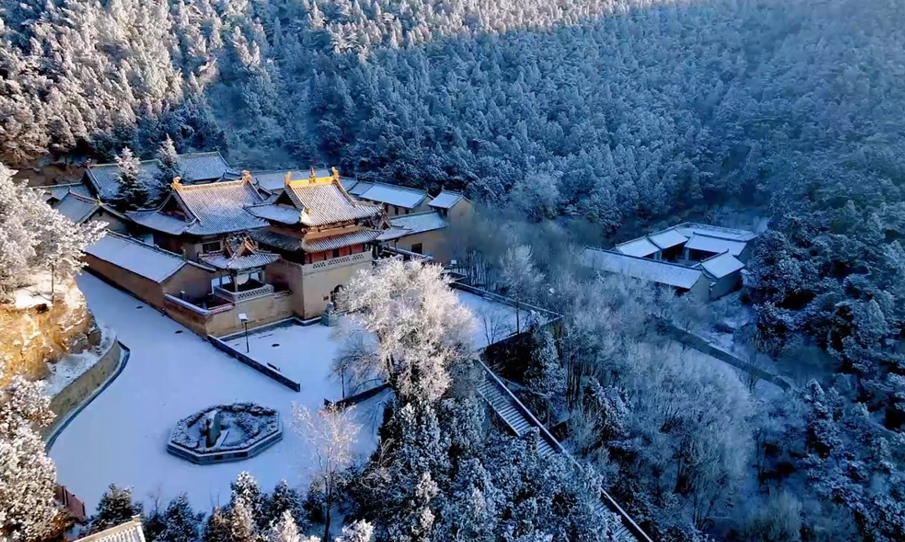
(121, 436)
(71, 366)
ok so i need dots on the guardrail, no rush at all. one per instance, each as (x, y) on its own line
(336, 262)
(551, 440)
(239, 297)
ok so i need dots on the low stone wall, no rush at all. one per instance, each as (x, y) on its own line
(357, 398)
(69, 399)
(701, 345)
(253, 363)
(224, 319)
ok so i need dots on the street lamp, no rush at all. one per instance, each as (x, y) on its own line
(244, 319)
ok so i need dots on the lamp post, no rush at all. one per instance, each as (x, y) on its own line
(244, 319)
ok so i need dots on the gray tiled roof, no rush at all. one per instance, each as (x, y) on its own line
(236, 262)
(220, 207)
(289, 242)
(105, 177)
(641, 268)
(283, 214)
(337, 241)
(638, 247)
(326, 203)
(667, 238)
(446, 200)
(394, 195)
(715, 245)
(144, 260)
(210, 209)
(722, 265)
(202, 166)
(196, 167)
(689, 229)
(77, 208)
(130, 531)
(273, 180)
(419, 222)
(356, 188)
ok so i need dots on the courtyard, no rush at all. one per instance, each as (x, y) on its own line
(121, 436)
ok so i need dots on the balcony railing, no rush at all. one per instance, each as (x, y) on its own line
(239, 297)
(336, 262)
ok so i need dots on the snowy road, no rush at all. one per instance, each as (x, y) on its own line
(121, 436)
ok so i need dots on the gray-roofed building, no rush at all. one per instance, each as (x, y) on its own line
(701, 246)
(204, 210)
(640, 248)
(130, 531)
(355, 187)
(77, 208)
(689, 229)
(239, 254)
(724, 272)
(396, 200)
(667, 239)
(684, 279)
(446, 200)
(422, 233)
(199, 167)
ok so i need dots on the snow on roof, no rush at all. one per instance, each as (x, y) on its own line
(638, 247)
(400, 196)
(77, 208)
(220, 207)
(356, 188)
(199, 166)
(321, 244)
(202, 166)
(393, 233)
(237, 262)
(285, 241)
(105, 177)
(127, 532)
(419, 222)
(325, 203)
(641, 268)
(277, 213)
(667, 238)
(446, 200)
(132, 255)
(715, 245)
(689, 229)
(722, 265)
(272, 181)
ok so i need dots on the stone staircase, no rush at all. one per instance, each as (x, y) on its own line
(520, 420)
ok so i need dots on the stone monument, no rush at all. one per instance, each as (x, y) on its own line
(211, 428)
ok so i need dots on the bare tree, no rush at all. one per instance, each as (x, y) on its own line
(330, 433)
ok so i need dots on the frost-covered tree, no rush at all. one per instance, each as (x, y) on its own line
(218, 527)
(284, 498)
(330, 433)
(423, 332)
(36, 238)
(242, 526)
(169, 161)
(246, 489)
(134, 191)
(358, 531)
(520, 277)
(180, 522)
(115, 507)
(285, 530)
(27, 475)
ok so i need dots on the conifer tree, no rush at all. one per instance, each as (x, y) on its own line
(134, 192)
(115, 508)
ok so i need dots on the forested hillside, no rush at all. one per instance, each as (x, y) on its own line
(606, 113)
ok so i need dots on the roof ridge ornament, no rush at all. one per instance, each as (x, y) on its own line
(312, 176)
(288, 178)
(177, 182)
(335, 173)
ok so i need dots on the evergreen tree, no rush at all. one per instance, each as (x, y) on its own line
(27, 476)
(181, 523)
(169, 162)
(134, 192)
(285, 530)
(284, 499)
(115, 508)
(246, 489)
(218, 527)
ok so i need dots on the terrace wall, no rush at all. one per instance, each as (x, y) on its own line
(224, 319)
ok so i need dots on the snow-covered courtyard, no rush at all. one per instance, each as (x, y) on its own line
(121, 436)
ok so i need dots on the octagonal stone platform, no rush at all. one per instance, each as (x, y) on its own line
(224, 433)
